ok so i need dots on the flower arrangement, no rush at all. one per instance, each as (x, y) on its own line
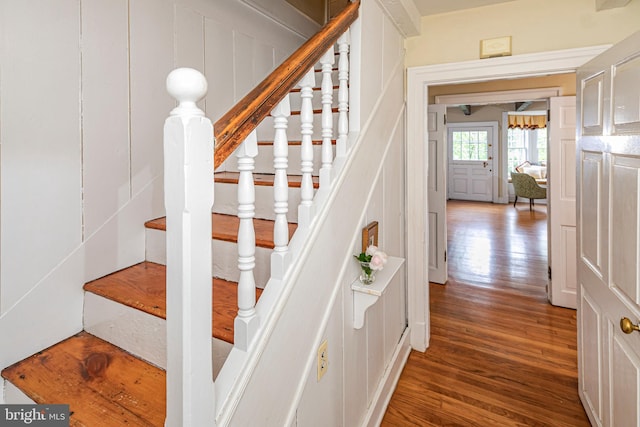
(372, 260)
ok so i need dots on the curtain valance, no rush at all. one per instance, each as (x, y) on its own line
(527, 122)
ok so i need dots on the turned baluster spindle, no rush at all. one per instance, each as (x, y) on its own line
(246, 322)
(327, 61)
(306, 149)
(343, 95)
(280, 184)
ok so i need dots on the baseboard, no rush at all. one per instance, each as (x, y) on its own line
(388, 382)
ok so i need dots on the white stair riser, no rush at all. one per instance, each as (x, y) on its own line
(266, 132)
(226, 196)
(137, 332)
(13, 395)
(264, 160)
(225, 258)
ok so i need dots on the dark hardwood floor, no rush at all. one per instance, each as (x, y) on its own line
(500, 354)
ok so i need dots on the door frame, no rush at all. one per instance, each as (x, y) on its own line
(417, 94)
(494, 153)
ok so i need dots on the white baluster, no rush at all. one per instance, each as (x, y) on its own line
(327, 62)
(306, 149)
(246, 323)
(188, 189)
(280, 189)
(343, 95)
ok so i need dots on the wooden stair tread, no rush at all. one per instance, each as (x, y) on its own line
(265, 179)
(297, 142)
(142, 286)
(225, 227)
(319, 111)
(103, 384)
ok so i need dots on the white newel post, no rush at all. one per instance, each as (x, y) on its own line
(306, 149)
(188, 189)
(280, 189)
(246, 322)
(327, 62)
(343, 95)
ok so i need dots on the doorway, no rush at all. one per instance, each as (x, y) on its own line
(418, 81)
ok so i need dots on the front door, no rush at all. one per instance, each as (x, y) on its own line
(608, 235)
(470, 173)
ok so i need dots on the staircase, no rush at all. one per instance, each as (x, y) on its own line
(113, 372)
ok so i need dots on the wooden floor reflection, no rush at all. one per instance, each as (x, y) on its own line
(499, 355)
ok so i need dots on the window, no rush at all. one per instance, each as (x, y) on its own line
(470, 145)
(526, 145)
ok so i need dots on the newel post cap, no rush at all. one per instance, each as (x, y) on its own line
(187, 86)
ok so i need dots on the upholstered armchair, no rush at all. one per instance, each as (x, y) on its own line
(526, 186)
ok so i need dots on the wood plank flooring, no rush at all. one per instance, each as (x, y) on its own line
(105, 385)
(499, 355)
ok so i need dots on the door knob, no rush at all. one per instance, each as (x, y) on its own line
(628, 327)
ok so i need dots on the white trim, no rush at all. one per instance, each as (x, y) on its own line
(388, 382)
(501, 96)
(404, 14)
(418, 81)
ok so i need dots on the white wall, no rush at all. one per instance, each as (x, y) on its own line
(535, 26)
(81, 114)
(358, 357)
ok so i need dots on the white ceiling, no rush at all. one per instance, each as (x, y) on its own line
(433, 7)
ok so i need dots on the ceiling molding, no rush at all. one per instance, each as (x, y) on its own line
(404, 14)
(498, 97)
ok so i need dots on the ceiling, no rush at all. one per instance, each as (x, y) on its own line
(433, 7)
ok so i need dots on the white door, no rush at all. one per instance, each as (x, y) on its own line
(470, 153)
(608, 234)
(437, 152)
(561, 188)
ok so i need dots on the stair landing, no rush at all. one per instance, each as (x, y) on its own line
(103, 384)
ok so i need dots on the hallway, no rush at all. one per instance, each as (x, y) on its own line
(499, 355)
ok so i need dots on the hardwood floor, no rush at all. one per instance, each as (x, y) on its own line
(500, 354)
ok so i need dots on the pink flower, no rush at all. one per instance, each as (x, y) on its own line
(378, 260)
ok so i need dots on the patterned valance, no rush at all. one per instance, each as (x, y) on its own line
(527, 122)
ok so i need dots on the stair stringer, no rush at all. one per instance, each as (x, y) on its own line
(293, 326)
(53, 309)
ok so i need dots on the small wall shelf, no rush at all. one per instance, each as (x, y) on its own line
(364, 296)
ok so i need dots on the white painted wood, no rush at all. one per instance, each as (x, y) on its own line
(364, 296)
(608, 237)
(387, 385)
(404, 15)
(418, 81)
(502, 96)
(151, 59)
(14, 396)
(280, 256)
(305, 212)
(437, 192)
(562, 202)
(40, 154)
(327, 62)
(136, 332)
(105, 143)
(343, 94)
(472, 180)
(246, 322)
(188, 199)
(307, 301)
(264, 201)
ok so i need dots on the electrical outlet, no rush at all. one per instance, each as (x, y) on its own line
(323, 359)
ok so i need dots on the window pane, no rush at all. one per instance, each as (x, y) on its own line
(470, 145)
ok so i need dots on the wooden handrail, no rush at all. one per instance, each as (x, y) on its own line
(232, 128)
